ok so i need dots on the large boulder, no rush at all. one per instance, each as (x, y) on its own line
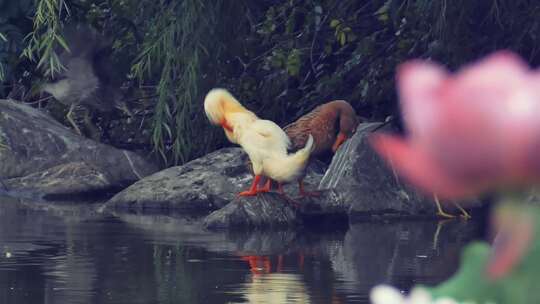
(204, 184)
(42, 157)
(264, 210)
(361, 184)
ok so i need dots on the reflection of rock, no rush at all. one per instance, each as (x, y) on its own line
(177, 228)
(71, 249)
(401, 253)
(204, 184)
(368, 254)
(188, 229)
(264, 242)
(74, 273)
(44, 157)
(42, 234)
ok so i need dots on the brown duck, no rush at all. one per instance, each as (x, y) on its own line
(330, 124)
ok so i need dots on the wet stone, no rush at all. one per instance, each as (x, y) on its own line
(203, 185)
(42, 158)
(264, 210)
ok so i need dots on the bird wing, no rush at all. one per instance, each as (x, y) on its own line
(270, 135)
(261, 139)
(84, 81)
(307, 124)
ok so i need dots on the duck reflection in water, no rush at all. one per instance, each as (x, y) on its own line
(273, 281)
(262, 264)
(270, 284)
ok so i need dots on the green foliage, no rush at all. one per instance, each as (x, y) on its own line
(174, 47)
(280, 58)
(343, 33)
(12, 24)
(46, 36)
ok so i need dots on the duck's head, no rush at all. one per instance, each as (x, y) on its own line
(217, 103)
(348, 122)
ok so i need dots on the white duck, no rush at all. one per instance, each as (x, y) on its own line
(264, 141)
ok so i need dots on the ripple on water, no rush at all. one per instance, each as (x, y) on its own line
(64, 255)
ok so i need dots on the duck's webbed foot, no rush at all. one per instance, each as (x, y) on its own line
(253, 189)
(304, 193)
(267, 186)
(286, 197)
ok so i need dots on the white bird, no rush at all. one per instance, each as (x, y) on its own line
(264, 141)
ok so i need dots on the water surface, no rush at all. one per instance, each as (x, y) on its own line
(73, 254)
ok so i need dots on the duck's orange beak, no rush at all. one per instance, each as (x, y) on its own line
(341, 138)
(226, 125)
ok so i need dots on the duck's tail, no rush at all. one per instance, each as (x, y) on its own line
(290, 167)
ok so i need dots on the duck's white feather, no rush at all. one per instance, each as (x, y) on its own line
(263, 140)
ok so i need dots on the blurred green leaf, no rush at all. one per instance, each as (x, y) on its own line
(294, 62)
(334, 23)
(518, 286)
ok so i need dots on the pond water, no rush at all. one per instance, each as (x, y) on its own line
(72, 254)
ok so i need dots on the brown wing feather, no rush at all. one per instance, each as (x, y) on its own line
(320, 123)
(298, 131)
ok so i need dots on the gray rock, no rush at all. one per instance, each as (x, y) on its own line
(204, 184)
(45, 158)
(60, 181)
(263, 210)
(360, 183)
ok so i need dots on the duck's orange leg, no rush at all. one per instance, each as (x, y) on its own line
(253, 261)
(280, 189)
(279, 267)
(267, 186)
(253, 189)
(282, 192)
(267, 265)
(304, 193)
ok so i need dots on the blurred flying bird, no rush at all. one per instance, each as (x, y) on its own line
(90, 78)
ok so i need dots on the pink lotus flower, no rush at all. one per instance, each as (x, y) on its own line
(468, 132)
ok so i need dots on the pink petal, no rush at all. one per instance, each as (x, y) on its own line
(490, 112)
(419, 83)
(501, 68)
(418, 168)
(489, 86)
